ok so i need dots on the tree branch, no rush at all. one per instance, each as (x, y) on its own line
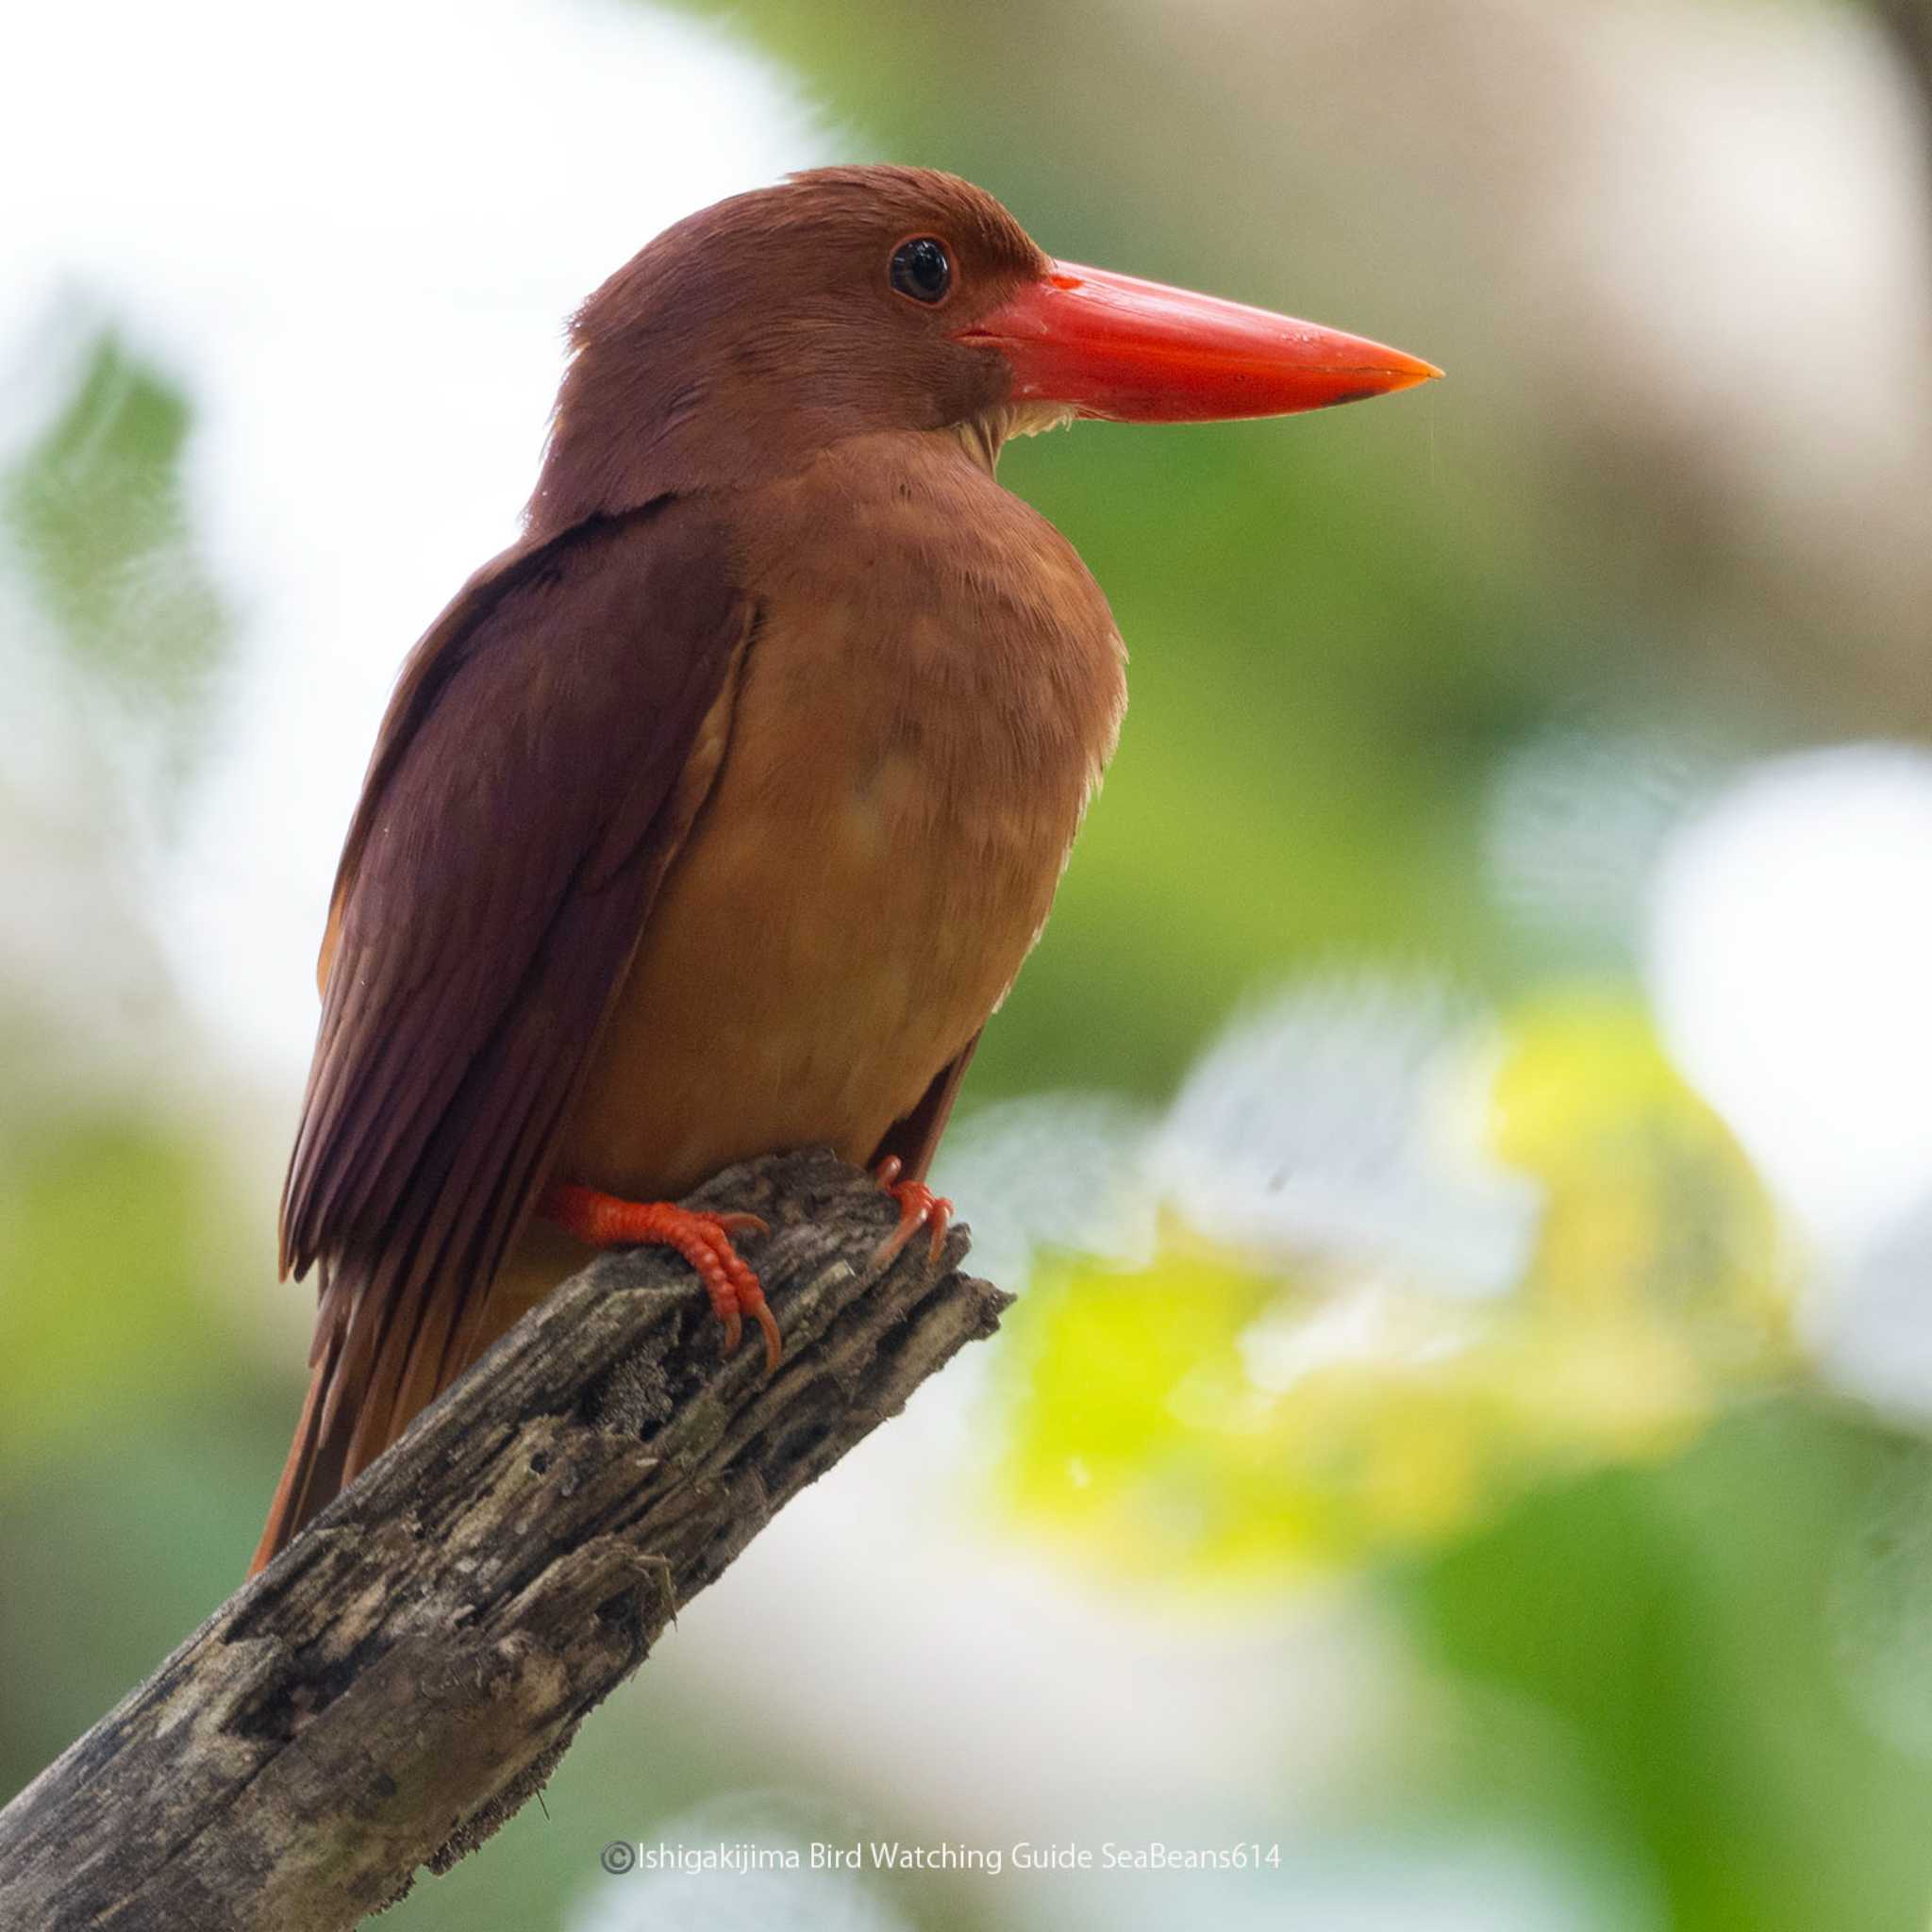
(407, 1674)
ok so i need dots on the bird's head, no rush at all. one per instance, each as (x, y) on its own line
(848, 301)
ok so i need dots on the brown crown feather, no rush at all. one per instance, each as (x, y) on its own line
(752, 334)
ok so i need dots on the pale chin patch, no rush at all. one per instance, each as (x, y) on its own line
(1036, 418)
(982, 436)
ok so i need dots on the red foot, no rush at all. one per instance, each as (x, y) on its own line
(919, 1207)
(703, 1240)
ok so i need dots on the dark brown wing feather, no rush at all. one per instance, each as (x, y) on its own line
(915, 1137)
(521, 805)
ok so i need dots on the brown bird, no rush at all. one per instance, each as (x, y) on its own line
(715, 816)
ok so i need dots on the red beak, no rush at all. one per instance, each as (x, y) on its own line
(1131, 351)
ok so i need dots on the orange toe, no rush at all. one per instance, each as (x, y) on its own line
(605, 1220)
(919, 1207)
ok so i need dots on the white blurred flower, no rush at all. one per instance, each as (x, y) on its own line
(1877, 1340)
(1341, 1121)
(1789, 959)
(1574, 823)
(1064, 1171)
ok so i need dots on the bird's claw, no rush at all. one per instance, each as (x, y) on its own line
(605, 1220)
(919, 1207)
(734, 1290)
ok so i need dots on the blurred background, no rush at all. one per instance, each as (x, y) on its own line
(1465, 1142)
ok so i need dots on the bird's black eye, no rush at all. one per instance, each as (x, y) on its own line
(922, 269)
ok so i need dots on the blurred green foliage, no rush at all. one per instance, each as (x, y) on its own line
(98, 519)
(1659, 1657)
(103, 1247)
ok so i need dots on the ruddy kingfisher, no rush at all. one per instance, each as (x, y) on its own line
(715, 816)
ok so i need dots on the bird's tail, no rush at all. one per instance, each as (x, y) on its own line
(313, 1473)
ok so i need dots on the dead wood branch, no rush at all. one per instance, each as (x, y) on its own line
(406, 1675)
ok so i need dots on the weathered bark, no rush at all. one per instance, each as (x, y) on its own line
(407, 1674)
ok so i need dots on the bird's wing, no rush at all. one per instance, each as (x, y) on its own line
(541, 761)
(914, 1138)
